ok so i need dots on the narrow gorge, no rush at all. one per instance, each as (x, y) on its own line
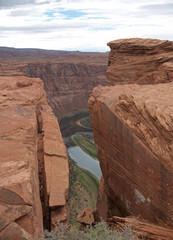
(131, 110)
(34, 164)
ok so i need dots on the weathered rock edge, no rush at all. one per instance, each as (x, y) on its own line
(33, 161)
(133, 131)
(142, 61)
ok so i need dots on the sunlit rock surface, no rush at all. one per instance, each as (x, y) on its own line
(133, 131)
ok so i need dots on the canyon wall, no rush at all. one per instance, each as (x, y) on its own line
(133, 132)
(10, 52)
(34, 164)
(68, 85)
(141, 61)
(68, 77)
(34, 176)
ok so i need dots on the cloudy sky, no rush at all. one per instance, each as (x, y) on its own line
(85, 25)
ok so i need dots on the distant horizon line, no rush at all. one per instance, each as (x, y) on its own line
(51, 50)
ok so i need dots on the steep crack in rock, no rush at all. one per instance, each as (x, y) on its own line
(41, 169)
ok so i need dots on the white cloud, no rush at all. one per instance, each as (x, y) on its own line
(81, 25)
(12, 3)
(158, 9)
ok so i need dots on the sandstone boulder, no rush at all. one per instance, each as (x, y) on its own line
(86, 216)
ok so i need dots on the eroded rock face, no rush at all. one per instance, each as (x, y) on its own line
(68, 77)
(142, 61)
(56, 169)
(26, 127)
(101, 206)
(68, 85)
(133, 130)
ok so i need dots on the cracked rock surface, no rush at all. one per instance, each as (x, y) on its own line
(25, 121)
(133, 130)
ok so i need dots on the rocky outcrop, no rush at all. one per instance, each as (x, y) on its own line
(142, 61)
(68, 85)
(133, 131)
(33, 161)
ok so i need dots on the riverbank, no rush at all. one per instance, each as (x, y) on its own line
(85, 171)
(85, 122)
(85, 144)
(69, 124)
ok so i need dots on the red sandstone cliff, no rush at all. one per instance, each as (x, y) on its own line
(134, 134)
(142, 61)
(31, 144)
(33, 161)
(133, 131)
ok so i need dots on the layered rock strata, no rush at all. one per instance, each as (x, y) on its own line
(33, 161)
(68, 85)
(133, 131)
(68, 77)
(142, 61)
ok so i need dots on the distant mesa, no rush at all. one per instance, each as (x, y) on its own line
(9, 52)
